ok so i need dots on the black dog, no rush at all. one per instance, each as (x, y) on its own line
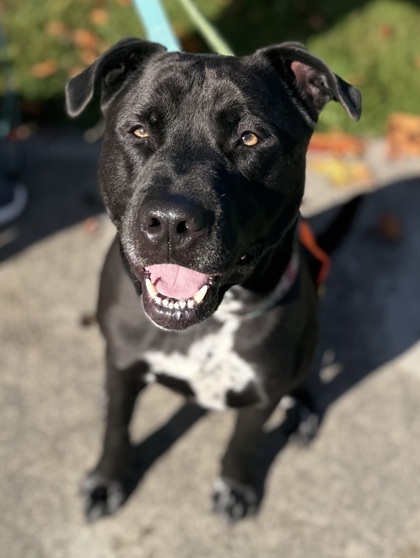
(202, 172)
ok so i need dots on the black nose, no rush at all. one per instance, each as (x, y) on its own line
(174, 219)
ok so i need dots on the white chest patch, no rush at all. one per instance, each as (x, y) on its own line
(210, 366)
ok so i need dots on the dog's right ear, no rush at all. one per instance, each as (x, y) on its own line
(107, 74)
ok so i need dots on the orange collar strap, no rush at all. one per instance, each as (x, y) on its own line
(308, 240)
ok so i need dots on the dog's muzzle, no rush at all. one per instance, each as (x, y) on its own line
(173, 234)
(176, 297)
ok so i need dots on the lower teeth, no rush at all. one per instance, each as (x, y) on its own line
(172, 304)
(178, 304)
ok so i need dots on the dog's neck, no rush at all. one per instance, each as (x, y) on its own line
(269, 285)
(273, 265)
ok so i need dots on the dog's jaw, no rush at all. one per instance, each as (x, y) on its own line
(178, 313)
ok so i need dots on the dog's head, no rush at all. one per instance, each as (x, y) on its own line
(203, 162)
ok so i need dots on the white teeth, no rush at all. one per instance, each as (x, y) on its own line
(151, 289)
(171, 303)
(199, 295)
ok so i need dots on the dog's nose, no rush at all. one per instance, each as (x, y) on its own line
(175, 220)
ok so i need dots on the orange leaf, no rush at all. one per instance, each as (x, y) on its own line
(386, 31)
(74, 70)
(84, 38)
(337, 143)
(403, 134)
(98, 16)
(87, 56)
(56, 28)
(44, 69)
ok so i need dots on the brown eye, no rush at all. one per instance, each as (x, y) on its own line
(249, 139)
(141, 133)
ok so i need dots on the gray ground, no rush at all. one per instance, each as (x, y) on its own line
(354, 493)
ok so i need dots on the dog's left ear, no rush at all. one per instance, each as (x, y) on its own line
(108, 73)
(311, 82)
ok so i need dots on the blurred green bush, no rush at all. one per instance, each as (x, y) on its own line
(371, 43)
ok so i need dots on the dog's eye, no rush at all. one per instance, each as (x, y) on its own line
(249, 139)
(141, 132)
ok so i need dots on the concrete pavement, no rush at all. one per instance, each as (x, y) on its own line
(354, 493)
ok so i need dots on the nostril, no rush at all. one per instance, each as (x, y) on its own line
(182, 227)
(151, 222)
(154, 222)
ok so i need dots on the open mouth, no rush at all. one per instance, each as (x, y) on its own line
(176, 297)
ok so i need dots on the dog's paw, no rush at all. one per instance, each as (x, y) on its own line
(307, 426)
(307, 429)
(102, 496)
(233, 500)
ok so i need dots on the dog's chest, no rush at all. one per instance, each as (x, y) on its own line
(209, 369)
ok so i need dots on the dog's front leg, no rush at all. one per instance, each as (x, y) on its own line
(105, 487)
(234, 495)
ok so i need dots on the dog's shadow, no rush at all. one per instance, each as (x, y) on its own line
(369, 315)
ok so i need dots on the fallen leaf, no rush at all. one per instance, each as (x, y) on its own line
(389, 227)
(87, 56)
(337, 143)
(44, 69)
(98, 16)
(403, 135)
(74, 70)
(84, 38)
(342, 173)
(386, 31)
(56, 29)
(91, 225)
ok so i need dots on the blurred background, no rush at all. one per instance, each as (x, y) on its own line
(355, 491)
(373, 44)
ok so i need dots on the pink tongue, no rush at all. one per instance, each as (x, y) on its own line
(175, 281)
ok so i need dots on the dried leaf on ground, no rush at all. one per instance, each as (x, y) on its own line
(91, 225)
(84, 38)
(342, 173)
(87, 56)
(98, 16)
(389, 227)
(56, 29)
(44, 69)
(403, 136)
(337, 143)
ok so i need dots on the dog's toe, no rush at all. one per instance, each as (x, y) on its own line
(102, 496)
(307, 429)
(233, 500)
(306, 425)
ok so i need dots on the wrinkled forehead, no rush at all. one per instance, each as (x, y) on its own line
(200, 81)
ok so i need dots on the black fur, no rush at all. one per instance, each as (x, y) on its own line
(190, 192)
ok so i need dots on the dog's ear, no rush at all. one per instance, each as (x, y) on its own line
(107, 74)
(311, 82)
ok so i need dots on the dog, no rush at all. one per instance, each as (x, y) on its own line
(205, 289)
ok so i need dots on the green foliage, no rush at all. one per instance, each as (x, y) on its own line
(375, 48)
(373, 44)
